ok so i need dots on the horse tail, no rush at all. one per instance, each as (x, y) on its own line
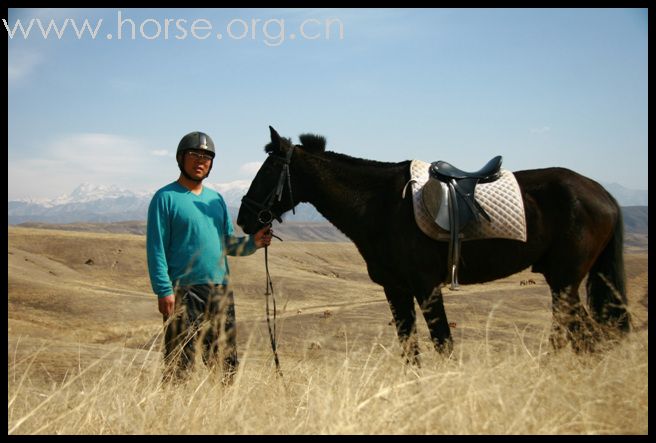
(606, 285)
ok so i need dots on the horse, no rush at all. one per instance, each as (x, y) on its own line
(574, 229)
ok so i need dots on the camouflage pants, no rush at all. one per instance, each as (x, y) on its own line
(204, 316)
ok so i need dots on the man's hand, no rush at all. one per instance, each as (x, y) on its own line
(166, 305)
(263, 237)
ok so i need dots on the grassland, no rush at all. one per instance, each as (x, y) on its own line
(84, 356)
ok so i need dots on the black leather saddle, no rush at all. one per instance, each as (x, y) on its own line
(463, 207)
(445, 171)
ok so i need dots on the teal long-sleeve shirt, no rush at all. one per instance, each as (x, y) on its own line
(188, 237)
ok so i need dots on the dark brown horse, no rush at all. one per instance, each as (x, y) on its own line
(574, 230)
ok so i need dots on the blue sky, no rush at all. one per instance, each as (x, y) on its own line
(557, 87)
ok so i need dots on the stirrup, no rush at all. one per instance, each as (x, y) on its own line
(454, 278)
(454, 240)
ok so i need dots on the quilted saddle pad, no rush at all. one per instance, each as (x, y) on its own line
(501, 199)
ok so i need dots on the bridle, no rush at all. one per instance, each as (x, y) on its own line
(263, 210)
(266, 216)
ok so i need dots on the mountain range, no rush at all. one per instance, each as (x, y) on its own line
(99, 203)
(105, 204)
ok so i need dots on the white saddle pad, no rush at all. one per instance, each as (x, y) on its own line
(501, 199)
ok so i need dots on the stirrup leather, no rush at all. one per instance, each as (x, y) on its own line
(463, 207)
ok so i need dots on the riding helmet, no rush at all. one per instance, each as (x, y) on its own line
(196, 140)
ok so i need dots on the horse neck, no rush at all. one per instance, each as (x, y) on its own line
(348, 192)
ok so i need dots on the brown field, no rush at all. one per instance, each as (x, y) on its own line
(84, 351)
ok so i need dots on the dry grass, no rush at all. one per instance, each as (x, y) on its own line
(479, 391)
(84, 353)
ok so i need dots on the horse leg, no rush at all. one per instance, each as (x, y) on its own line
(433, 309)
(403, 310)
(606, 287)
(571, 321)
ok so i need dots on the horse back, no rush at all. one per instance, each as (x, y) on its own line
(561, 191)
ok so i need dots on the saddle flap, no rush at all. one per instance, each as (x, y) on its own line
(435, 199)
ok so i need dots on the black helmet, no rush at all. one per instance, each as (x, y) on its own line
(196, 140)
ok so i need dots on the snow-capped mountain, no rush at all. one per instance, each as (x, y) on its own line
(88, 192)
(101, 203)
(232, 192)
(87, 202)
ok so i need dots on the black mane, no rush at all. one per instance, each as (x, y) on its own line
(316, 144)
(362, 162)
(313, 142)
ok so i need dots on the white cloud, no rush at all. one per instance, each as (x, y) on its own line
(250, 168)
(99, 153)
(542, 130)
(162, 153)
(97, 158)
(21, 63)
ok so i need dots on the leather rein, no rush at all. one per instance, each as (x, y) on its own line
(266, 216)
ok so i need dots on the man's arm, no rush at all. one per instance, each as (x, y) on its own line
(157, 239)
(240, 246)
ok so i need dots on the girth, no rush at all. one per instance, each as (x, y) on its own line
(463, 207)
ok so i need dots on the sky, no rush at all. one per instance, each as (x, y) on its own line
(108, 104)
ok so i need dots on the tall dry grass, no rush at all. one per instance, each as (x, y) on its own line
(483, 388)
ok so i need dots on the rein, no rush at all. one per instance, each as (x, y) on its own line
(269, 291)
(266, 216)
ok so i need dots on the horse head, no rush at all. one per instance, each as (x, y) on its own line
(275, 190)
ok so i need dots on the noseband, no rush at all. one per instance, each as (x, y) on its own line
(263, 210)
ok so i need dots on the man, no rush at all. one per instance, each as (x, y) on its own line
(189, 235)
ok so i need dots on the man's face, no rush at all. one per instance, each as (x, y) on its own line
(197, 163)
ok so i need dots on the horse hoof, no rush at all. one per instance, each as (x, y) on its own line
(445, 348)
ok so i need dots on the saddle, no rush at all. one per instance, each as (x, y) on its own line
(462, 204)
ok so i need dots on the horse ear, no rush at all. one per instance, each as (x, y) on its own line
(278, 144)
(275, 138)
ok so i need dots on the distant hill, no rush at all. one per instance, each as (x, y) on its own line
(107, 204)
(635, 224)
(292, 231)
(636, 227)
(124, 227)
(636, 219)
(626, 196)
(298, 231)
